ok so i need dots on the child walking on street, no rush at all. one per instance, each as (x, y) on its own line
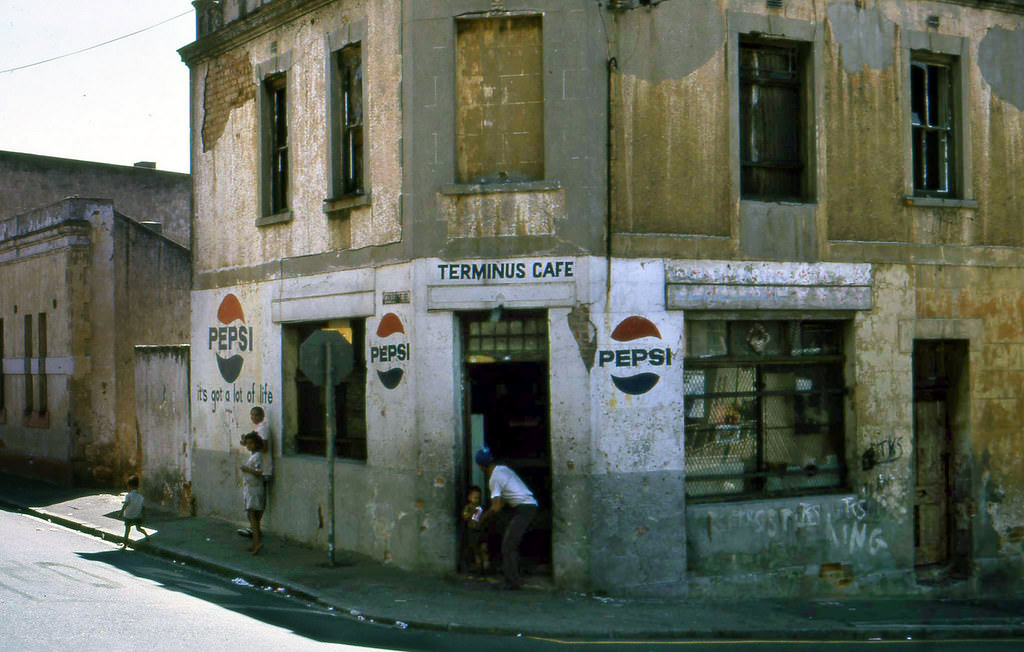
(131, 510)
(254, 493)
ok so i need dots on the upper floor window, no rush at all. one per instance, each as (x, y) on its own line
(932, 122)
(349, 116)
(275, 137)
(773, 120)
(764, 408)
(499, 100)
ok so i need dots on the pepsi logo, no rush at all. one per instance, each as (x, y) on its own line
(635, 332)
(230, 338)
(392, 347)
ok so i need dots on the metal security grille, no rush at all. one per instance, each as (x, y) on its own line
(764, 408)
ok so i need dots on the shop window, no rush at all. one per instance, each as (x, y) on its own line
(347, 130)
(773, 120)
(932, 122)
(304, 401)
(275, 145)
(499, 100)
(764, 408)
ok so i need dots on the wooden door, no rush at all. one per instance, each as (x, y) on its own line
(932, 489)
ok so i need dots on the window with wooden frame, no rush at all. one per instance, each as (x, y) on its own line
(773, 119)
(932, 125)
(348, 130)
(275, 137)
(764, 408)
(499, 100)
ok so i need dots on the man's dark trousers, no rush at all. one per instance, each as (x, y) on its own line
(514, 531)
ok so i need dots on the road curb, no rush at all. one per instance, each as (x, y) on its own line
(841, 632)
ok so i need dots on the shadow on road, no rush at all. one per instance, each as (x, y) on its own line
(267, 604)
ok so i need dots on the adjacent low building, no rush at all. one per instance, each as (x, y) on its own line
(82, 283)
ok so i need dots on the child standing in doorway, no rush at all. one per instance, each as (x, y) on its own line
(476, 536)
(131, 510)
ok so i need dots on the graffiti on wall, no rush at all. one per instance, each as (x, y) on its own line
(844, 524)
(884, 451)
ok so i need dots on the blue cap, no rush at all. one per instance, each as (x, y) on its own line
(484, 456)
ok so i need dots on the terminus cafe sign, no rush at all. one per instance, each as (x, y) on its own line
(517, 270)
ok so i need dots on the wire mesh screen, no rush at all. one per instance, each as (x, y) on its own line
(764, 410)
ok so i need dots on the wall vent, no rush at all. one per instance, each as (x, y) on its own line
(774, 4)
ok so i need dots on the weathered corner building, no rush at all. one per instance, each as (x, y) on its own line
(735, 287)
(80, 284)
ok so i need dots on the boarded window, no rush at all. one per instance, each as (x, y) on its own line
(499, 100)
(305, 414)
(772, 121)
(931, 120)
(764, 408)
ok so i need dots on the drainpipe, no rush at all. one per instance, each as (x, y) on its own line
(613, 65)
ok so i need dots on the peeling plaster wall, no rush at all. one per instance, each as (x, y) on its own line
(993, 298)
(675, 182)
(225, 93)
(162, 413)
(670, 115)
(560, 214)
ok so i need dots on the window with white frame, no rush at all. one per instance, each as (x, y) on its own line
(933, 125)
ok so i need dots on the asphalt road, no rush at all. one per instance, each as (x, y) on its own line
(60, 589)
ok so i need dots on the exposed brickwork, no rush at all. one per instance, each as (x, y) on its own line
(228, 85)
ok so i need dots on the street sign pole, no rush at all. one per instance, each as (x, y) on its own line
(329, 418)
(326, 357)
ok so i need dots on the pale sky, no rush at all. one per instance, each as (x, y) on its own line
(120, 103)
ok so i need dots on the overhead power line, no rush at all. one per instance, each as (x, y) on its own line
(93, 47)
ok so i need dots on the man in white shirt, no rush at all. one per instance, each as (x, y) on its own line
(508, 490)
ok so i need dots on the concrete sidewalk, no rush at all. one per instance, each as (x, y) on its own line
(374, 591)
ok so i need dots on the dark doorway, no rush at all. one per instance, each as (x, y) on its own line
(505, 387)
(941, 543)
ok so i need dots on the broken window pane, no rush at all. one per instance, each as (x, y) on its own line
(932, 119)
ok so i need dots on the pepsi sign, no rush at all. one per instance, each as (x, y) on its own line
(641, 352)
(230, 338)
(391, 347)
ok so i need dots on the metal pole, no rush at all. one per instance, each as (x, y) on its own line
(329, 417)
